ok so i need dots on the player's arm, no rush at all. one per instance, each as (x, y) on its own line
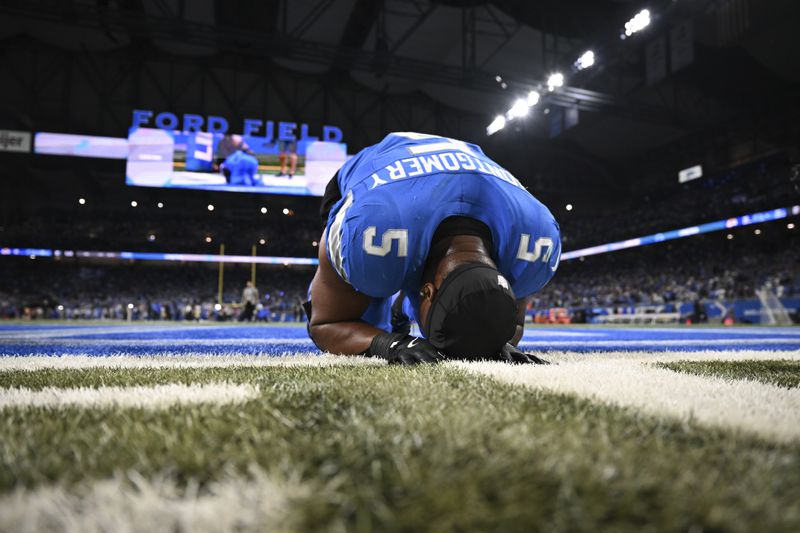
(522, 306)
(335, 324)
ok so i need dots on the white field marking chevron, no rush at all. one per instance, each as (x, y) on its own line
(150, 397)
(191, 360)
(249, 503)
(765, 410)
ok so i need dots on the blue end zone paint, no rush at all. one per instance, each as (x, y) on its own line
(153, 339)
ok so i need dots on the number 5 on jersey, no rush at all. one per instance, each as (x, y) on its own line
(383, 249)
(542, 243)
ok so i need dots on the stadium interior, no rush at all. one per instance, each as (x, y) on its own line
(663, 135)
(605, 157)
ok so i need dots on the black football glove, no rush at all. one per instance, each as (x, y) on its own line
(511, 354)
(401, 349)
(400, 322)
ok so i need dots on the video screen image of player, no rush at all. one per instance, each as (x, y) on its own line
(231, 162)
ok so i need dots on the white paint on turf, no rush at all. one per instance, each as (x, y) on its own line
(251, 503)
(169, 360)
(148, 397)
(765, 410)
(664, 342)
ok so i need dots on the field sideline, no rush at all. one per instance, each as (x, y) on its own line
(164, 427)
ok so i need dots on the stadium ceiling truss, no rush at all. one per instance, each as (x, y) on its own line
(101, 89)
(287, 42)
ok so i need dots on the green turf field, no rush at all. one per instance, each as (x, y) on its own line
(360, 446)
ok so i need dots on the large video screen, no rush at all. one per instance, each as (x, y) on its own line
(213, 161)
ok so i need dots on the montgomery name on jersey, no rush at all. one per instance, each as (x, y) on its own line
(396, 193)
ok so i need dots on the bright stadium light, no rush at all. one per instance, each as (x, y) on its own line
(497, 124)
(569, 207)
(151, 237)
(262, 241)
(81, 201)
(757, 232)
(585, 61)
(637, 23)
(519, 109)
(210, 207)
(533, 98)
(263, 210)
(314, 243)
(208, 239)
(134, 203)
(730, 236)
(130, 306)
(790, 225)
(285, 211)
(555, 80)
(160, 205)
(217, 307)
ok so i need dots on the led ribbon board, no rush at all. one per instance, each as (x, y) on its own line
(728, 223)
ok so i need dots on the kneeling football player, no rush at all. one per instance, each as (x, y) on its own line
(457, 234)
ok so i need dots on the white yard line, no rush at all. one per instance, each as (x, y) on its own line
(768, 411)
(195, 360)
(665, 342)
(148, 397)
(252, 503)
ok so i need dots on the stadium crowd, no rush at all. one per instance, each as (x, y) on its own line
(703, 268)
(63, 289)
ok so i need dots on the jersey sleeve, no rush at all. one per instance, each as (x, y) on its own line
(367, 244)
(540, 254)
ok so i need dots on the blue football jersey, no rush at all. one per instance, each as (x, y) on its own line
(243, 168)
(397, 192)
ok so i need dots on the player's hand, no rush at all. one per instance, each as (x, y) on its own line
(401, 349)
(511, 354)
